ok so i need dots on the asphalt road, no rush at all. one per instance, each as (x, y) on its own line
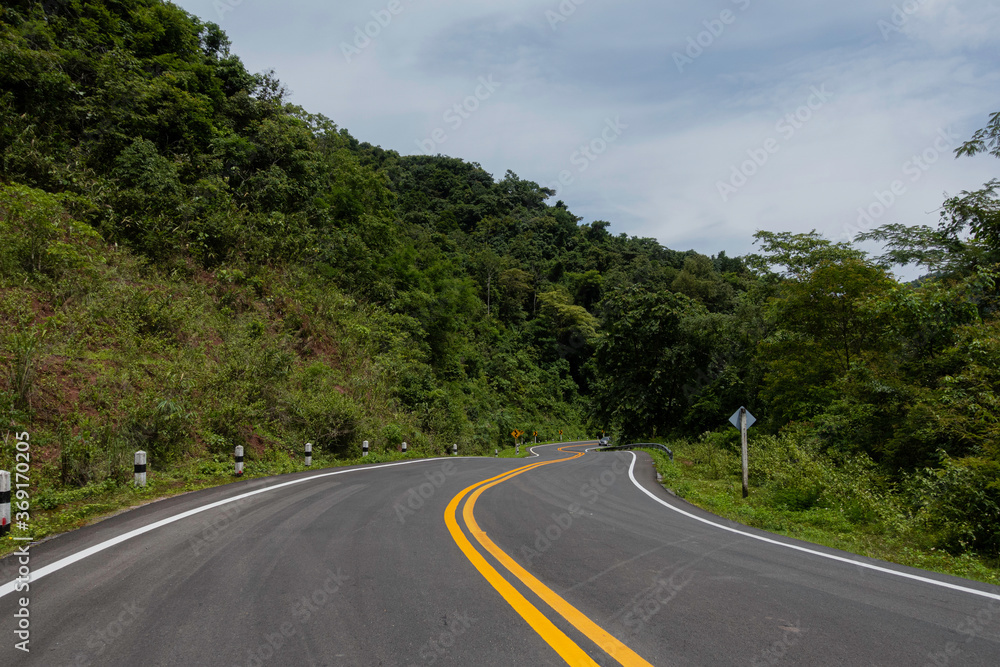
(556, 559)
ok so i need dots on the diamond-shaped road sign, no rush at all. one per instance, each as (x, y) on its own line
(735, 419)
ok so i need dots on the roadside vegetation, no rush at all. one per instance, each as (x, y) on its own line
(191, 262)
(56, 508)
(848, 504)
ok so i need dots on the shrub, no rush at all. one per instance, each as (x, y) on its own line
(163, 430)
(327, 418)
(95, 454)
(38, 235)
(960, 504)
(21, 376)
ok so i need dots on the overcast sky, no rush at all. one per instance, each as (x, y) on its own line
(696, 123)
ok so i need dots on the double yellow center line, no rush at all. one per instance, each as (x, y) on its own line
(539, 622)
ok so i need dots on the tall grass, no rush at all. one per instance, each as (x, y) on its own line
(926, 519)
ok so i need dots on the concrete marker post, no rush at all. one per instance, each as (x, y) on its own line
(140, 468)
(239, 459)
(309, 454)
(5, 515)
(364, 448)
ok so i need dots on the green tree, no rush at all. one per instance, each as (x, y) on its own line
(644, 357)
(826, 319)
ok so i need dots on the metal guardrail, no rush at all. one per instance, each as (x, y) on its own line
(654, 445)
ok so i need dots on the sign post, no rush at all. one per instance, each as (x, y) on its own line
(742, 419)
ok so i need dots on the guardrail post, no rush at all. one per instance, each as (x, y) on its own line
(364, 448)
(309, 454)
(140, 468)
(239, 459)
(5, 515)
(404, 447)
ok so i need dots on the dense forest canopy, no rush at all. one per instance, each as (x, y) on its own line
(203, 263)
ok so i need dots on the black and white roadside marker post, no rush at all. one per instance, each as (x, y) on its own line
(454, 449)
(140, 468)
(517, 449)
(404, 447)
(742, 419)
(309, 454)
(364, 448)
(5, 516)
(239, 460)
(496, 453)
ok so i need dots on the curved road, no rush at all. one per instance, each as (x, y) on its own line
(568, 557)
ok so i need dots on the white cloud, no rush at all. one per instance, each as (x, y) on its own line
(686, 130)
(950, 25)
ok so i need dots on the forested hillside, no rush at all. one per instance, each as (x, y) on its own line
(190, 262)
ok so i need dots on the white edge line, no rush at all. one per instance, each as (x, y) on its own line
(35, 575)
(811, 552)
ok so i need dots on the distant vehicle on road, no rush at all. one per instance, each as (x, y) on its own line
(605, 441)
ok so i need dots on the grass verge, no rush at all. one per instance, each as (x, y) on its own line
(511, 452)
(715, 485)
(55, 510)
